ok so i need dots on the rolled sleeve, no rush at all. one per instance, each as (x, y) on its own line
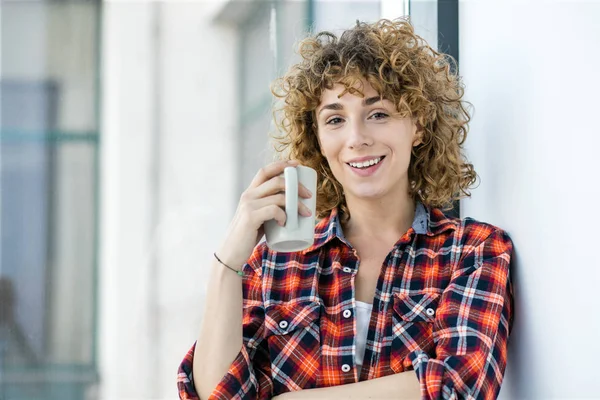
(185, 381)
(472, 326)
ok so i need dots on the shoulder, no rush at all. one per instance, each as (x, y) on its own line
(467, 235)
(480, 241)
(474, 232)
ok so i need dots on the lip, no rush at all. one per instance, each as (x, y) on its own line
(361, 159)
(367, 172)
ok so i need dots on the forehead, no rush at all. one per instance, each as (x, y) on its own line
(359, 87)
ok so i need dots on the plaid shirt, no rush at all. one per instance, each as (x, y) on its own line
(442, 307)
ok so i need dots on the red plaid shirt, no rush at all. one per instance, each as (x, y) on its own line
(443, 307)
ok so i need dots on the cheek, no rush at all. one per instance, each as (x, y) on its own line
(327, 147)
(322, 144)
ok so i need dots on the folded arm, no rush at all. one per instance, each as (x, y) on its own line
(472, 326)
(397, 386)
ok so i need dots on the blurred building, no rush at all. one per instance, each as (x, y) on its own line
(128, 131)
(49, 155)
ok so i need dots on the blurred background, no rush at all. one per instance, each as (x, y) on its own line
(128, 130)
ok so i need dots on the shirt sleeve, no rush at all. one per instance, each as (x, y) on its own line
(472, 325)
(249, 376)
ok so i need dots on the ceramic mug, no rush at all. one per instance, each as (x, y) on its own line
(298, 233)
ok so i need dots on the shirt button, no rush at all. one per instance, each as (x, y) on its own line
(345, 368)
(283, 324)
(347, 313)
(430, 312)
(347, 269)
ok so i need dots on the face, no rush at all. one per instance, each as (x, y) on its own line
(355, 132)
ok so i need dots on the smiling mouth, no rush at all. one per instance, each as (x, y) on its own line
(366, 165)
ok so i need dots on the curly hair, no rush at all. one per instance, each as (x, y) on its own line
(402, 68)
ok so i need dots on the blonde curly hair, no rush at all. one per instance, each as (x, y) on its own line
(402, 68)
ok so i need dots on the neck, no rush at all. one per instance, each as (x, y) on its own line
(391, 217)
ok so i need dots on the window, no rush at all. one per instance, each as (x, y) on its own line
(49, 198)
(268, 32)
(437, 22)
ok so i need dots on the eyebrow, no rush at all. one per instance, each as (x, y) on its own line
(337, 106)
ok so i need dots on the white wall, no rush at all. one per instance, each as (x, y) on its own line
(531, 71)
(198, 171)
(168, 179)
(126, 195)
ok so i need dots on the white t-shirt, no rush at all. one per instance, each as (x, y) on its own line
(363, 316)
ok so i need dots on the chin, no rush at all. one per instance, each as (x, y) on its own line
(367, 193)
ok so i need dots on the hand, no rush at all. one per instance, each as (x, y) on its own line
(263, 200)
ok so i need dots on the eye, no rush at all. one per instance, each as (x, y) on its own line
(379, 115)
(334, 121)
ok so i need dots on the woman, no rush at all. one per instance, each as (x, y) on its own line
(391, 284)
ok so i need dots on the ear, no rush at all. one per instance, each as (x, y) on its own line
(417, 134)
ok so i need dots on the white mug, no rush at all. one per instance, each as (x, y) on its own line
(298, 233)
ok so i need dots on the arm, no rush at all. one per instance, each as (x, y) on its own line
(224, 322)
(220, 338)
(215, 376)
(397, 386)
(472, 326)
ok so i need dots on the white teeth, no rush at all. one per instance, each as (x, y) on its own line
(366, 163)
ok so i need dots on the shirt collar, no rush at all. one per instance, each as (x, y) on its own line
(428, 221)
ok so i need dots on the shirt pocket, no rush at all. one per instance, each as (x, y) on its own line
(292, 331)
(413, 316)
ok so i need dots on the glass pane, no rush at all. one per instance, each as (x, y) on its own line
(46, 281)
(268, 40)
(292, 25)
(72, 237)
(54, 44)
(259, 63)
(424, 17)
(25, 209)
(255, 134)
(338, 15)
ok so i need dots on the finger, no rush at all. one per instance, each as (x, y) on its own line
(272, 186)
(277, 185)
(279, 200)
(269, 171)
(269, 212)
(304, 210)
(275, 199)
(304, 192)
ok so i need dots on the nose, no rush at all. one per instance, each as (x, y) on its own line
(358, 135)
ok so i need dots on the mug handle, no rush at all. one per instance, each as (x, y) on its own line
(290, 175)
